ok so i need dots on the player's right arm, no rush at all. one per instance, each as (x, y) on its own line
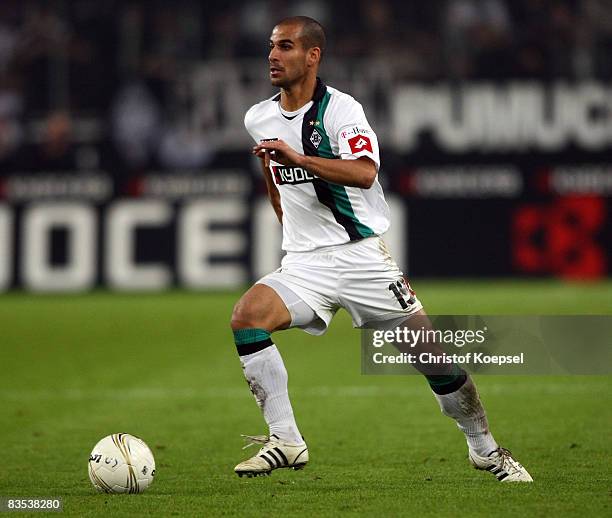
(273, 194)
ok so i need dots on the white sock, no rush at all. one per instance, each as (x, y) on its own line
(465, 408)
(267, 377)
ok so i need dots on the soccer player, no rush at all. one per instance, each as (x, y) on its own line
(320, 159)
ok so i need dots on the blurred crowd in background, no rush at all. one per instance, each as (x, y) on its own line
(102, 71)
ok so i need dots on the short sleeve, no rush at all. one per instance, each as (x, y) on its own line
(354, 134)
(248, 122)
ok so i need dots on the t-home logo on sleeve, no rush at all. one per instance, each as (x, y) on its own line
(291, 175)
(360, 143)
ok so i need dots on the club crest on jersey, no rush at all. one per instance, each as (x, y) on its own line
(284, 175)
(316, 138)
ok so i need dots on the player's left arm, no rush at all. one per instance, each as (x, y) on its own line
(359, 172)
(352, 140)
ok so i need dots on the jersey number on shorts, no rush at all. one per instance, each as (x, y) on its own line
(401, 289)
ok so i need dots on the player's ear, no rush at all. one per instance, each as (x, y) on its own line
(313, 56)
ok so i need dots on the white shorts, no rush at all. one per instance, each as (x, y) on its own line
(360, 277)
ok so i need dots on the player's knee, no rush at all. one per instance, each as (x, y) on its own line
(244, 316)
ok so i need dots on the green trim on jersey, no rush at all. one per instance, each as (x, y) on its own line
(339, 194)
(324, 150)
(343, 203)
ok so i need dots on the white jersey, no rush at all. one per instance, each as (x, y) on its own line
(317, 213)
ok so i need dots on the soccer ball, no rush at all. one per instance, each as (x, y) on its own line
(121, 463)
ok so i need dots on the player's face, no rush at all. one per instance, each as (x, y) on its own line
(288, 59)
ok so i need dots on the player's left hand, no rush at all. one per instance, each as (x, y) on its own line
(280, 152)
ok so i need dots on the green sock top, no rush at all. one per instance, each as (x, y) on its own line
(250, 336)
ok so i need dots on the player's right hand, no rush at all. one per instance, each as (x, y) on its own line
(280, 151)
(264, 154)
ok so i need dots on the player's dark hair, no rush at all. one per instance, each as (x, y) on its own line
(312, 34)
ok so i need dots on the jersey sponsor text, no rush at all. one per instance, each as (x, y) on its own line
(284, 175)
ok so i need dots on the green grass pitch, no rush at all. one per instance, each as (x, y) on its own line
(163, 367)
